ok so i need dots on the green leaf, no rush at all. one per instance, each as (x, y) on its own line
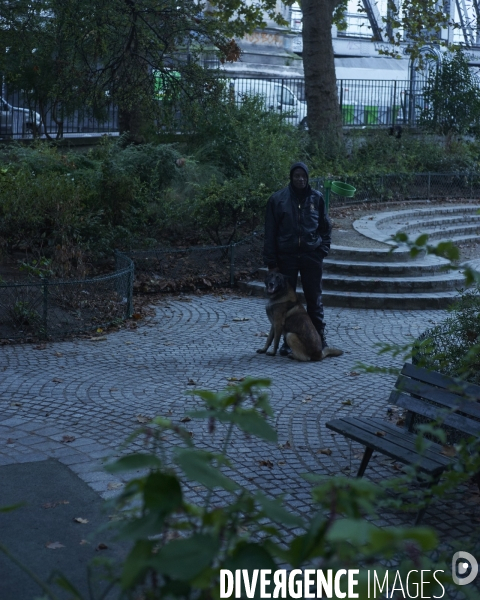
(11, 507)
(186, 559)
(252, 422)
(355, 531)
(197, 466)
(421, 240)
(250, 556)
(162, 493)
(276, 512)
(133, 462)
(136, 564)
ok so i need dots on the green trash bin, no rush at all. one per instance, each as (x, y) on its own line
(371, 115)
(348, 114)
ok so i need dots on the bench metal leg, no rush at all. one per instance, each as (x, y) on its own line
(366, 458)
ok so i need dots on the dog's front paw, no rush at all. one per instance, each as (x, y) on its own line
(271, 353)
(261, 350)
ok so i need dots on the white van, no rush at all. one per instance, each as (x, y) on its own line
(277, 97)
(18, 122)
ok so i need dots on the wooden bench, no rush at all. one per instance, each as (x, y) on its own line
(421, 392)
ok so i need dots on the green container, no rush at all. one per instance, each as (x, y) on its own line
(348, 114)
(371, 115)
(343, 189)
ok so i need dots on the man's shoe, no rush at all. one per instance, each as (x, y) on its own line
(324, 340)
(285, 350)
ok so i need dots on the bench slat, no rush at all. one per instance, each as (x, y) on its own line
(401, 437)
(463, 424)
(439, 380)
(399, 448)
(438, 396)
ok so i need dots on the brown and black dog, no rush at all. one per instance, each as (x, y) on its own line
(289, 317)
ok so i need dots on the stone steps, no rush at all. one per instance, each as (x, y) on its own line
(393, 301)
(390, 278)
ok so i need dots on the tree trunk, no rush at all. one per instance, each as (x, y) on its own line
(323, 110)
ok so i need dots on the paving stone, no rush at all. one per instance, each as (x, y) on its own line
(106, 391)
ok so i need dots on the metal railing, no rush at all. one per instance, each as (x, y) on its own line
(407, 186)
(23, 118)
(363, 103)
(52, 308)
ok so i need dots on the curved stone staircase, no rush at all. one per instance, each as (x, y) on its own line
(390, 278)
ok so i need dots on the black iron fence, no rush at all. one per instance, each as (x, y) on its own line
(22, 118)
(363, 103)
(53, 308)
(407, 186)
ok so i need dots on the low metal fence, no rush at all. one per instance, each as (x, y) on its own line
(197, 267)
(407, 186)
(53, 308)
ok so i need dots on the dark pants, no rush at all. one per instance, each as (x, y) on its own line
(310, 265)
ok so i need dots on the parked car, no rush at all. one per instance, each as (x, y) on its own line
(277, 96)
(18, 122)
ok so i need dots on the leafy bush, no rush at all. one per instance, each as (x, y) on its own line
(453, 346)
(178, 548)
(452, 105)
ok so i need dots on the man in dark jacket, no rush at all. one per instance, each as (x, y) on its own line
(297, 238)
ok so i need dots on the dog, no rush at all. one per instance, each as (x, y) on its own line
(288, 316)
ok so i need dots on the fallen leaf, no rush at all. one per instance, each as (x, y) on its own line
(40, 347)
(241, 318)
(235, 378)
(101, 546)
(57, 354)
(98, 339)
(449, 451)
(113, 485)
(348, 402)
(99, 330)
(225, 325)
(265, 463)
(356, 327)
(80, 520)
(143, 419)
(57, 380)
(286, 445)
(10, 441)
(136, 316)
(185, 420)
(54, 504)
(15, 404)
(83, 542)
(353, 373)
(400, 422)
(113, 390)
(67, 439)
(326, 451)
(261, 334)
(54, 545)
(307, 399)
(380, 433)
(191, 382)
(281, 462)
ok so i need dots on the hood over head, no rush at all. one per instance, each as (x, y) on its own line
(299, 165)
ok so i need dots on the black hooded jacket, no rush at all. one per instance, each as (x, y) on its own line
(295, 222)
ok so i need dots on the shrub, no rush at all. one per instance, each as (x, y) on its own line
(453, 346)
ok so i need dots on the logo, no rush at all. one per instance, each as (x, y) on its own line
(464, 568)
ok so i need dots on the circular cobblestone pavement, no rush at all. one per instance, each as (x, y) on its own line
(94, 391)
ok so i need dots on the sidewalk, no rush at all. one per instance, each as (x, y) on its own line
(69, 404)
